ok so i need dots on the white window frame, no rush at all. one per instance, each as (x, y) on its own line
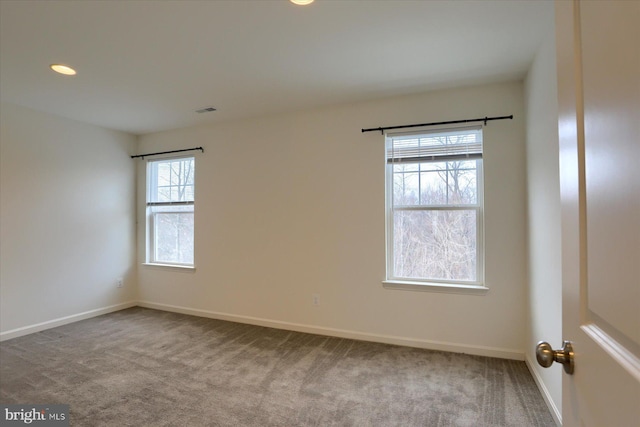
(151, 246)
(394, 281)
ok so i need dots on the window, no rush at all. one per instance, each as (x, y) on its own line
(434, 206)
(170, 206)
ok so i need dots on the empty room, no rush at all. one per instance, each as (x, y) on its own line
(319, 213)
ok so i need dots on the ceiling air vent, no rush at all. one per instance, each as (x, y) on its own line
(206, 110)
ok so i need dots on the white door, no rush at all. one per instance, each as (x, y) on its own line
(598, 46)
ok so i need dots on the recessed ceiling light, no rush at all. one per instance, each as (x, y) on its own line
(301, 2)
(63, 69)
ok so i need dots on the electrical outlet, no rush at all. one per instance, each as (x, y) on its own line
(315, 298)
(119, 282)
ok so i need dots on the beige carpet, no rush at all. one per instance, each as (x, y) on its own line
(141, 367)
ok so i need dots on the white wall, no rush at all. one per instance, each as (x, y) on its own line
(67, 219)
(293, 204)
(544, 237)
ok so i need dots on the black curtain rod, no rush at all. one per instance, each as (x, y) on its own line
(485, 120)
(168, 152)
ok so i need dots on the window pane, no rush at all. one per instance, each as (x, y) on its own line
(437, 184)
(406, 187)
(437, 245)
(433, 187)
(174, 237)
(172, 180)
(462, 183)
(432, 166)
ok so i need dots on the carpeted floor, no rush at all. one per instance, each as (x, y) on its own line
(141, 367)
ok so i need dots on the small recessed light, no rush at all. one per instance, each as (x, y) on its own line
(63, 69)
(301, 2)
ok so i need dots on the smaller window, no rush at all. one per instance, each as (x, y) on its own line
(170, 211)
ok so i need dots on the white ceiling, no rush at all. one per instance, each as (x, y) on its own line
(146, 66)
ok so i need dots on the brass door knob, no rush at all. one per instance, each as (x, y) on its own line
(547, 355)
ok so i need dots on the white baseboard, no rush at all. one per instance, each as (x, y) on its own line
(341, 333)
(555, 413)
(26, 330)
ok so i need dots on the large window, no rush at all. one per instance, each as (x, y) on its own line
(170, 206)
(434, 206)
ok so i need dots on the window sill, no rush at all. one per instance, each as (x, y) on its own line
(435, 287)
(174, 267)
